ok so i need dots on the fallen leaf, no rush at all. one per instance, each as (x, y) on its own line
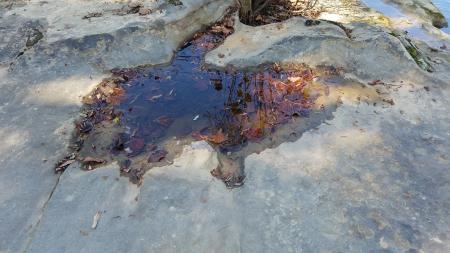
(294, 79)
(85, 126)
(92, 160)
(63, 165)
(222, 29)
(126, 74)
(157, 156)
(163, 120)
(216, 138)
(276, 67)
(136, 146)
(197, 136)
(96, 219)
(253, 133)
(125, 165)
(154, 98)
(376, 82)
(135, 176)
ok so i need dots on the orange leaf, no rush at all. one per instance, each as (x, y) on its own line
(217, 138)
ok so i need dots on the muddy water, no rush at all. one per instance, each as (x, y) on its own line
(143, 117)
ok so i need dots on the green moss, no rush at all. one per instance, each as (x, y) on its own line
(413, 52)
(417, 56)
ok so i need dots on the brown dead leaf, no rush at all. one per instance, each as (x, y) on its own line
(253, 133)
(63, 165)
(136, 146)
(276, 67)
(376, 82)
(125, 166)
(92, 160)
(157, 156)
(216, 138)
(222, 29)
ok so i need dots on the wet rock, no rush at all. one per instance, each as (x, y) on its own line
(424, 9)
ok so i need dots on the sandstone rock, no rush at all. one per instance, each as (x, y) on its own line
(424, 9)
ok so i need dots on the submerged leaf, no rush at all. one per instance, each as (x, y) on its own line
(164, 120)
(216, 138)
(157, 156)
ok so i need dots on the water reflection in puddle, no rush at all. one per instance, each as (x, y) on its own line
(143, 117)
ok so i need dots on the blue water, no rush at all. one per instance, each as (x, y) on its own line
(393, 12)
(444, 6)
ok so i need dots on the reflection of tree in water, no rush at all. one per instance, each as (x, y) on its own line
(255, 104)
(148, 107)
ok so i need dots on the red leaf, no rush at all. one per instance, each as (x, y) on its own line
(136, 145)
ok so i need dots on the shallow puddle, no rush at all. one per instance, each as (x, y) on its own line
(143, 117)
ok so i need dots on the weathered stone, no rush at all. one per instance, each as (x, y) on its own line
(323, 44)
(43, 79)
(424, 9)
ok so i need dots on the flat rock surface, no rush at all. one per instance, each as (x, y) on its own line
(373, 178)
(42, 83)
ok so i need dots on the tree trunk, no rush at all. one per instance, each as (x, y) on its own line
(246, 11)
